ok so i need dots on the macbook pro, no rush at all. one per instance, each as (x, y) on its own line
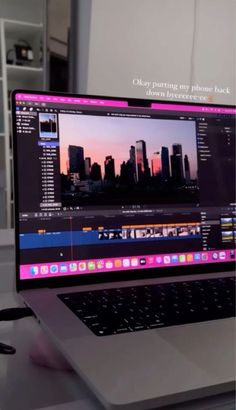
(125, 241)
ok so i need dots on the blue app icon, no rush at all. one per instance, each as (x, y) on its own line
(34, 270)
(174, 258)
(53, 268)
(63, 268)
(197, 256)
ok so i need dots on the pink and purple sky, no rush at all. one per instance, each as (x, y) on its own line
(101, 136)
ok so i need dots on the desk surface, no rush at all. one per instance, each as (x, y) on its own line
(25, 386)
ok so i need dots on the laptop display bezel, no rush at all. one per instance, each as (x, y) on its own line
(64, 281)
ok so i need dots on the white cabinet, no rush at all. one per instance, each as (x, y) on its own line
(13, 75)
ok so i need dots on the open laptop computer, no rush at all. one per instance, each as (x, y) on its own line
(125, 234)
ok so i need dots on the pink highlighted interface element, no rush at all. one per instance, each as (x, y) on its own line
(70, 100)
(119, 103)
(79, 267)
(192, 108)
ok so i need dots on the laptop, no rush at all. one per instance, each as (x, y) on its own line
(125, 241)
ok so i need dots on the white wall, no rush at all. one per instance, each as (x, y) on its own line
(190, 42)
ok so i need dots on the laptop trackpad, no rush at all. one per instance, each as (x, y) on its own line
(164, 363)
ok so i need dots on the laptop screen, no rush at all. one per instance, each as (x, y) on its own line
(108, 185)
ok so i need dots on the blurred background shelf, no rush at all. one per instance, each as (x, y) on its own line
(14, 74)
(28, 77)
(23, 70)
(44, 27)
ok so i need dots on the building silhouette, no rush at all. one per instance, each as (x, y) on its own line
(156, 164)
(109, 166)
(127, 176)
(76, 161)
(87, 165)
(132, 162)
(177, 150)
(165, 163)
(95, 173)
(132, 154)
(142, 169)
(177, 170)
(123, 173)
(187, 170)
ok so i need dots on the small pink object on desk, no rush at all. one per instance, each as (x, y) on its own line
(44, 353)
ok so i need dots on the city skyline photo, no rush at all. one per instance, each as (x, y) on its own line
(93, 133)
(117, 155)
(47, 125)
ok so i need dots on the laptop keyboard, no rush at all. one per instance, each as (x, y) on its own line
(131, 309)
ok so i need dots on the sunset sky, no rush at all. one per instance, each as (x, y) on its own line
(101, 136)
(47, 117)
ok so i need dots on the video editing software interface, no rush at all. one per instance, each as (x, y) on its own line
(103, 186)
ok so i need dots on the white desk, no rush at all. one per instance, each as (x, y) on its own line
(25, 386)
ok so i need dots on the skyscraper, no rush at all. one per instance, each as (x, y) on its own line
(132, 162)
(87, 164)
(177, 150)
(95, 173)
(141, 161)
(177, 170)
(165, 163)
(76, 161)
(132, 154)
(109, 165)
(156, 164)
(187, 170)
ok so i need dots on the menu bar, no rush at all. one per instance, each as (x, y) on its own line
(71, 100)
(119, 103)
